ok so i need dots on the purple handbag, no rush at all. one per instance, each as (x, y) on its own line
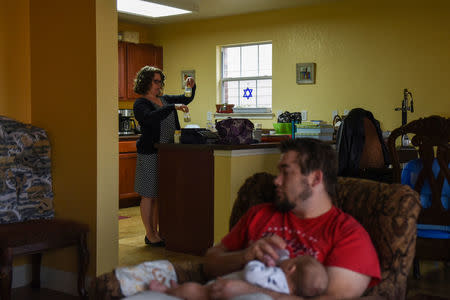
(235, 131)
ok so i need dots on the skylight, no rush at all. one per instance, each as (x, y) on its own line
(148, 9)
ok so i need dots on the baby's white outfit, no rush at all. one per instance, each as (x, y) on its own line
(137, 278)
(257, 273)
(272, 278)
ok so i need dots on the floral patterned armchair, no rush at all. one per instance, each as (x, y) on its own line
(387, 211)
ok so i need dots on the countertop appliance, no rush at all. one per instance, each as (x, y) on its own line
(127, 125)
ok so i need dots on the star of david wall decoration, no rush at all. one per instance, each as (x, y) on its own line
(248, 93)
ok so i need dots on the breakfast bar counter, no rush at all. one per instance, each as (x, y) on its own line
(197, 188)
(217, 146)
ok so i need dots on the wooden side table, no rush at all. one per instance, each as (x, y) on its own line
(35, 237)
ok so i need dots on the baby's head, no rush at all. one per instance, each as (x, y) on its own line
(306, 276)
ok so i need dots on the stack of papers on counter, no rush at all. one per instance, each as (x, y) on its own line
(315, 129)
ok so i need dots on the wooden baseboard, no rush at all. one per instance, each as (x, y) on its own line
(129, 202)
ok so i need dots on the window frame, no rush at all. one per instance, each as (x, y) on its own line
(222, 80)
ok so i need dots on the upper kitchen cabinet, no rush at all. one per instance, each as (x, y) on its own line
(132, 57)
(122, 71)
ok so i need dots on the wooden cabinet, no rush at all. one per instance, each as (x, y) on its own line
(122, 71)
(127, 168)
(186, 199)
(197, 187)
(132, 57)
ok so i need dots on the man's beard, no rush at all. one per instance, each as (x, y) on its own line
(284, 205)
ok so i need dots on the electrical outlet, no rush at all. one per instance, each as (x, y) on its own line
(304, 115)
(279, 112)
(334, 114)
(209, 116)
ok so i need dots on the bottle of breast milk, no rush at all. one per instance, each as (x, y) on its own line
(187, 117)
(187, 90)
(176, 136)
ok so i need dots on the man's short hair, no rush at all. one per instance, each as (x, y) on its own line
(315, 155)
(144, 79)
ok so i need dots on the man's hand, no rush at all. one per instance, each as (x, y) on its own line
(264, 250)
(219, 260)
(229, 288)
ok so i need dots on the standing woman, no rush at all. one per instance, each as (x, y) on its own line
(158, 119)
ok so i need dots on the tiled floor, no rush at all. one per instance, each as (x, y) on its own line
(435, 279)
(132, 249)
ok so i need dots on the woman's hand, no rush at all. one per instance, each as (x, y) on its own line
(181, 107)
(264, 250)
(190, 82)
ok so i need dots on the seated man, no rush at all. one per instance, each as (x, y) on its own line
(303, 221)
(302, 276)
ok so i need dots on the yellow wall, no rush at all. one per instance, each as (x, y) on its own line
(73, 84)
(58, 66)
(230, 172)
(15, 86)
(366, 53)
(107, 239)
(63, 85)
(15, 60)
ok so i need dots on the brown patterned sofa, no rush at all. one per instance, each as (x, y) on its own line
(388, 212)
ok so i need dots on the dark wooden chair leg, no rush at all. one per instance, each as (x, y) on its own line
(416, 268)
(6, 259)
(36, 270)
(83, 262)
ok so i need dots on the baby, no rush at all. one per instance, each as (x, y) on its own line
(302, 276)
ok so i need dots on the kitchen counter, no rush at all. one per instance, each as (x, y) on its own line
(197, 188)
(129, 137)
(216, 146)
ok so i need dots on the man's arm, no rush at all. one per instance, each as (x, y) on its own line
(219, 260)
(343, 284)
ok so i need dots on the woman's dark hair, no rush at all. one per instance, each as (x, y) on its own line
(144, 79)
(315, 155)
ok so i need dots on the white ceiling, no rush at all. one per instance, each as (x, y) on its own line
(205, 9)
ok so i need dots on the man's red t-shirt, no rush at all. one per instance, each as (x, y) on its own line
(334, 238)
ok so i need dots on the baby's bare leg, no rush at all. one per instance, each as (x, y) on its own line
(189, 291)
(157, 286)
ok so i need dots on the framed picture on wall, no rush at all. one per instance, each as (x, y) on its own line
(185, 75)
(306, 73)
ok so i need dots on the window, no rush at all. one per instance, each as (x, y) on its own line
(246, 79)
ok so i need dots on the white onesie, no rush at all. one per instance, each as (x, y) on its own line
(257, 273)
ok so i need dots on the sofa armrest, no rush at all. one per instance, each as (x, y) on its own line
(389, 213)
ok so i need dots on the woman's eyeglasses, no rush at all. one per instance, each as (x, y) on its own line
(156, 81)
